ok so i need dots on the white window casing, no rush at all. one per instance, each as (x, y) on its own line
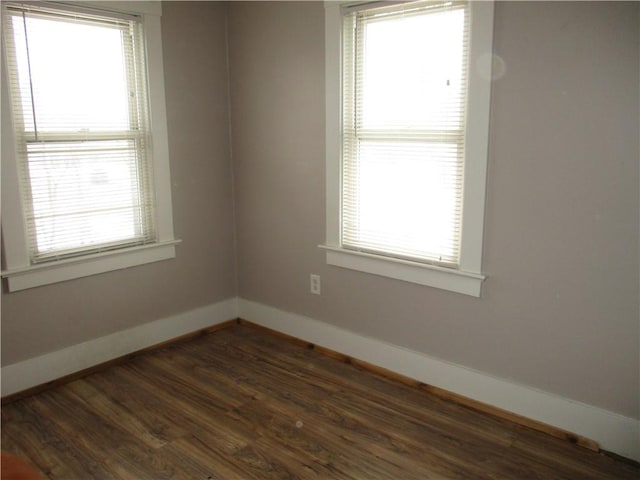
(27, 266)
(460, 270)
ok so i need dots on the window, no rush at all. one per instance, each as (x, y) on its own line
(407, 131)
(85, 156)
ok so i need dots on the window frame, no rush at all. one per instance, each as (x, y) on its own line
(18, 270)
(468, 277)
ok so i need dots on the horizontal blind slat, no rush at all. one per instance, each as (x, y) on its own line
(404, 107)
(78, 87)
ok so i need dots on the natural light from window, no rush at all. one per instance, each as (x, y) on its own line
(90, 94)
(84, 176)
(403, 194)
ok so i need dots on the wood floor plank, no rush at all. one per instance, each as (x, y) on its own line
(103, 405)
(581, 462)
(353, 379)
(201, 415)
(241, 403)
(209, 461)
(100, 438)
(54, 453)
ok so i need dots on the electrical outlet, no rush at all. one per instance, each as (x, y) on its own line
(315, 284)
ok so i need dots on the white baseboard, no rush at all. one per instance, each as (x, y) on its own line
(614, 432)
(51, 366)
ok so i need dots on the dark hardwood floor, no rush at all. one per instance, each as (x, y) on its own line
(241, 403)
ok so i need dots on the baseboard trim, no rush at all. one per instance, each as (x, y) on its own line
(578, 422)
(521, 404)
(454, 397)
(35, 374)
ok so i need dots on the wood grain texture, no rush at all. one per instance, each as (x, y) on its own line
(468, 402)
(241, 403)
(104, 365)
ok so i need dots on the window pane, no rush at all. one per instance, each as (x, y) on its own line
(84, 193)
(404, 106)
(413, 71)
(77, 72)
(404, 198)
(78, 87)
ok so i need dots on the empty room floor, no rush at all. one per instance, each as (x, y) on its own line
(243, 403)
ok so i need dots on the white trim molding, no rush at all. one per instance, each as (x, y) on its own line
(37, 275)
(468, 283)
(612, 431)
(52, 366)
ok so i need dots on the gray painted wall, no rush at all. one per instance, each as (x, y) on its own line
(45, 319)
(560, 307)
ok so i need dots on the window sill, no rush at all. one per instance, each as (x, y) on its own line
(37, 275)
(459, 281)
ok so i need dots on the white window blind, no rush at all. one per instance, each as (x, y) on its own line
(79, 99)
(404, 109)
